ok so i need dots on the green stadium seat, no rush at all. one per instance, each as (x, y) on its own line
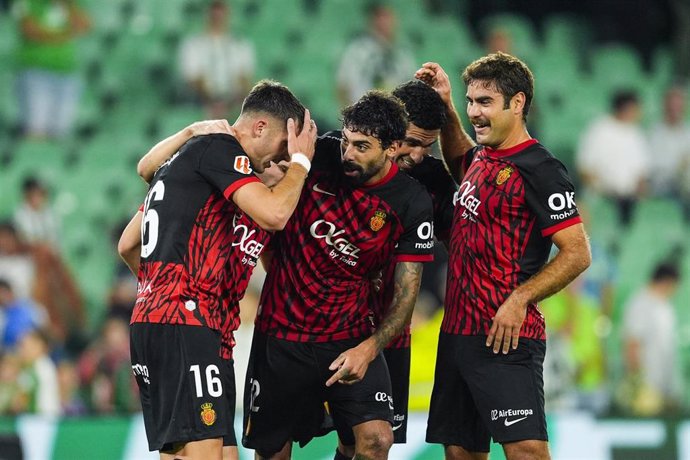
(617, 66)
(565, 33)
(522, 33)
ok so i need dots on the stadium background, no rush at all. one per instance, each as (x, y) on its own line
(580, 53)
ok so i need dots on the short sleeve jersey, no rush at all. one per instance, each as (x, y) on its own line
(437, 181)
(318, 286)
(190, 272)
(508, 205)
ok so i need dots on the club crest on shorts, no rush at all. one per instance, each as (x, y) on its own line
(504, 175)
(208, 414)
(377, 221)
(242, 164)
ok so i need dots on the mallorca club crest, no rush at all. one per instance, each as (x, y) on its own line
(377, 221)
(504, 175)
(208, 414)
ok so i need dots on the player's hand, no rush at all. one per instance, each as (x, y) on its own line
(506, 325)
(352, 364)
(433, 75)
(306, 141)
(201, 128)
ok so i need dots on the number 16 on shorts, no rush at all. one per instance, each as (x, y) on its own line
(211, 376)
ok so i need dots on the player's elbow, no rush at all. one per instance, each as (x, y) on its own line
(584, 258)
(275, 221)
(126, 246)
(143, 170)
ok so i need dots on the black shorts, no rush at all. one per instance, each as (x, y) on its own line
(285, 391)
(230, 391)
(398, 362)
(182, 383)
(479, 395)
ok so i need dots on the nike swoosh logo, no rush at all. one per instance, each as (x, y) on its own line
(316, 188)
(506, 422)
(396, 427)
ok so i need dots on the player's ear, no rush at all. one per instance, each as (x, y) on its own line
(517, 103)
(392, 151)
(259, 127)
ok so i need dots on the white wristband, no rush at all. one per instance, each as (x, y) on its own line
(301, 159)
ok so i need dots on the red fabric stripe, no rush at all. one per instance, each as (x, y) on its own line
(511, 150)
(560, 226)
(414, 258)
(389, 175)
(141, 207)
(232, 188)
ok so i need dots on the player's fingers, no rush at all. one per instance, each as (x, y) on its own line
(337, 362)
(506, 340)
(498, 340)
(291, 128)
(516, 337)
(492, 334)
(341, 374)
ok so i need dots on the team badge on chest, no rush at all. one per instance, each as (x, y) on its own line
(503, 175)
(208, 415)
(377, 221)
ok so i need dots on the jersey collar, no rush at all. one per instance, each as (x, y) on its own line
(385, 179)
(510, 150)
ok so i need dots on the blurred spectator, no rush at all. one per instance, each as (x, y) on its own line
(34, 218)
(20, 315)
(71, 402)
(613, 155)
(38, 376)
(10, 392)
(47, 57)
(670, 138)
(217, 67)
(375, 59)
(36, 272)
(105, 371)
(498, 39)
(652, 381)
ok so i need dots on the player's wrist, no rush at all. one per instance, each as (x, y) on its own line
(301, 159)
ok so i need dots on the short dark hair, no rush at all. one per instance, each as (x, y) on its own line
(622, 98)
(377, 114)
(424, 106)
(509, 75)
(275, 99)
(666, 271)
(31, 183)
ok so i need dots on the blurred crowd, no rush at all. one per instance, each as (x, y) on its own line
(632, 347)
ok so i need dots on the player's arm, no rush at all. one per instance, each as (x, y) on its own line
(574, 256)
(455, 142)
(271, 207)
(352, 364)
(166, 148)
(129, 246)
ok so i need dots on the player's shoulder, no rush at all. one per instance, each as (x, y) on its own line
(537, 158)
(405, 192)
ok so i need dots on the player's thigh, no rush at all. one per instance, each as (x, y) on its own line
(454, 419)
(398, 362)
(531, 449)
(181, 379)
(282, 394)
(366, 400)
(509, 390)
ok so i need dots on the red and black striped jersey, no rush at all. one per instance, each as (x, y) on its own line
(508, 205)
(437, 181)
(191, 268)
(318, 286)
(245, 251)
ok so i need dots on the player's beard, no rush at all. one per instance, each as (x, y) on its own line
(362, 176)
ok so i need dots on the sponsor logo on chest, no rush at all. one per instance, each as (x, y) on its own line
(465, 196)
(343, 249)
(244, 239)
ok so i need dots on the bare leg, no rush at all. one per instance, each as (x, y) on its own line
(459, 453)
(527, 450)
(373, 440)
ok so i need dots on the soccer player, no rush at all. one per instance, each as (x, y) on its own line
(313, 338)
(197, 204)
(515, 199)
(427, 113)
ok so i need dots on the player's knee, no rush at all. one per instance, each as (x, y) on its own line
(375, 443)
(527, 450)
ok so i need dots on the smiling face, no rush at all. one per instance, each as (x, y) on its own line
(364, 159)
(416, 145)
(493, 120)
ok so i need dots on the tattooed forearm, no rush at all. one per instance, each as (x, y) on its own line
(407, 278)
